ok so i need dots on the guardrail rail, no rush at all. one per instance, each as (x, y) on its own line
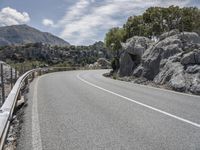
(7, 109)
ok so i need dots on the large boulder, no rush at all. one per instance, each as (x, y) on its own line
(174, 60)
(178, 82)
(195, 84)
(127, 64)
(188, 37)
(104, 63)
(178, 78)
(136, 45)
(138, 71)
(133, 50)
(166, 73)
(168, 34)
(193, 69)
(192, 57)
(172, 74)
(153, 56)
(170, 44)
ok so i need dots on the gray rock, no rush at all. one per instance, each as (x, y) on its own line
(188, 59)
(171, 50)
(166, 73)
(126, 65)
(173, 61)
(155, 54)
(151, 64)
(189, 37)
(193, 69)
(136, 45)
(197, 56)
(105, 64)
(167, 34)
(195, 86)
(138, 71)
(191, 58)
(178, 82)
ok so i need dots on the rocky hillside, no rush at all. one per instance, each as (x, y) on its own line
(23, 34)
(53, 55)
(173, 61)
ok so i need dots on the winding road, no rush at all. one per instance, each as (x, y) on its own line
(82, 110)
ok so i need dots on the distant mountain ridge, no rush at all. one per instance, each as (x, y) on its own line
(23, 34)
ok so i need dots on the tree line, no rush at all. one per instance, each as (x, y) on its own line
(152, 23)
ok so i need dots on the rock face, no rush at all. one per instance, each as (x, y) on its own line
(174, 60)
(23, 34)
(105, 64)
(133, 49)
(191, 58)
(127, 65)
(101, 63)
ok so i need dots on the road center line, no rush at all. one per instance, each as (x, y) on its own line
(36, 137)
(142, 104)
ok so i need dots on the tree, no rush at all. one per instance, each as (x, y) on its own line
(113, 40)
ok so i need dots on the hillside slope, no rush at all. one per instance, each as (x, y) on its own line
(23, 34)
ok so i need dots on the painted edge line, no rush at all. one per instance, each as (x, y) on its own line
(142, 104)
(36, 137)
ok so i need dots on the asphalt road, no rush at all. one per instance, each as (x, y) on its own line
(82, 110)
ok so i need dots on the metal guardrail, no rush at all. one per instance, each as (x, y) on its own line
(7, 109)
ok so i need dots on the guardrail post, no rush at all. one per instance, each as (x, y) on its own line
(40, 72)
(15, 74)
(2, 84)
(11, 78)
(19, 95)
(26, 81)
(33, 75)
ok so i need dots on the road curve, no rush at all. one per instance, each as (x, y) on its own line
(82, 110)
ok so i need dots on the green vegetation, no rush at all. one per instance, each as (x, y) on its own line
(41, 55)
(153, 22)
(113, 40)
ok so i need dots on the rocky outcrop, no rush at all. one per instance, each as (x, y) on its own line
(127, 65)
(136, 45)
(101, 63)
(133, 49)
(173, 61)
(191, 58)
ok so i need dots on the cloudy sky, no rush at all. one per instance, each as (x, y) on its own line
(78, 21)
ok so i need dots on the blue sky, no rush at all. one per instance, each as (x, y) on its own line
(80, 22)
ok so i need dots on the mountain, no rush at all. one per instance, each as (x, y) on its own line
(23, 34)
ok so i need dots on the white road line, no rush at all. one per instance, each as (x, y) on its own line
(142, 104)
(36, 137)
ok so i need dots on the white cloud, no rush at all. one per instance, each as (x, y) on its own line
(10, 16)
(88, 20)
(48, 22)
